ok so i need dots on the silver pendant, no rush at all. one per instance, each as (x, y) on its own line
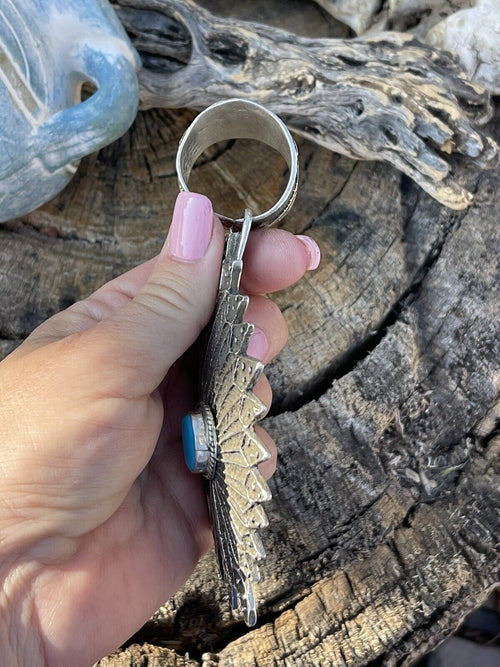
(219, 437)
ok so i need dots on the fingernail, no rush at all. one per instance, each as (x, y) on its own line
(313, 252)
(191, 228)
(258, 345)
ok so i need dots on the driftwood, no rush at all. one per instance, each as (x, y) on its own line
(385, 518)
(386, 97)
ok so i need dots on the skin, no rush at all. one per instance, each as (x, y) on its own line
(100, 520)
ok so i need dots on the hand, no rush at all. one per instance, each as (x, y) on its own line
(100, 520)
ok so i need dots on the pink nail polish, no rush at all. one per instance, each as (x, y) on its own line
(313, 252)
(258, 345)
(191, 228)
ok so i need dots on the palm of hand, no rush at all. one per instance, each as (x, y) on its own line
(116, 544)
(101, 520)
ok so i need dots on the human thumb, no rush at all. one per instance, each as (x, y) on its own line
(143, 339)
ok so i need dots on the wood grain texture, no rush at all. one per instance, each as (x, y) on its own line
(385, 518)
(386, 504)
(148, 656)
(386, 97)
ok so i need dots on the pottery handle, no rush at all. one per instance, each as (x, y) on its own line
(88, 126)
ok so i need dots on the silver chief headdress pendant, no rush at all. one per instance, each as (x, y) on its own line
(219, 437)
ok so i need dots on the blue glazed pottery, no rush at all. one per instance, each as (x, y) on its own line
(48, 50)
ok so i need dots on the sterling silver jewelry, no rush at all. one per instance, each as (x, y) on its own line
(219, 437)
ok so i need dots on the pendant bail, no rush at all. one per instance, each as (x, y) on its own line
(240, 119)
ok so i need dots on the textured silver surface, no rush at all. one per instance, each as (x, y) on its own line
(227, 449)
(236, 489)
(240, 119)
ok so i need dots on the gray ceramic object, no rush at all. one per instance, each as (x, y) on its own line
(48, 50)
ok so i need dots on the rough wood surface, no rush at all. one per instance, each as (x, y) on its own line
(385, 97)
(385, 518)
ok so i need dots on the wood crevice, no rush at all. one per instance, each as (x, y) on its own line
(23, 227)
(9, 337)
(415, 412)
(322, 382)
(341, 527)
(290, 601)
(330, 201)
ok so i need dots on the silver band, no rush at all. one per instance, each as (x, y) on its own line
(240, 119)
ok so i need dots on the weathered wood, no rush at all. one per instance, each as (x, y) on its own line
(386, 504)
(385, 518)
(386, 97)
(148, 656)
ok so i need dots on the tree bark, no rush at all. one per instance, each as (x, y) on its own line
(385, 518)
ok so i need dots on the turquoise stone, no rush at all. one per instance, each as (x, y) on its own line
(188, 442)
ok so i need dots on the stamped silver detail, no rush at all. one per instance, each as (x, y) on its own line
(228, 406)
(205, 441)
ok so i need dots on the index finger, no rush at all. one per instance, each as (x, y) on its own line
(275, 259)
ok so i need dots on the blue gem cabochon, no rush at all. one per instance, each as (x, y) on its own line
(188, 442)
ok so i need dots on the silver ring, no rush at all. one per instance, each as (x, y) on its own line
(240, 119)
